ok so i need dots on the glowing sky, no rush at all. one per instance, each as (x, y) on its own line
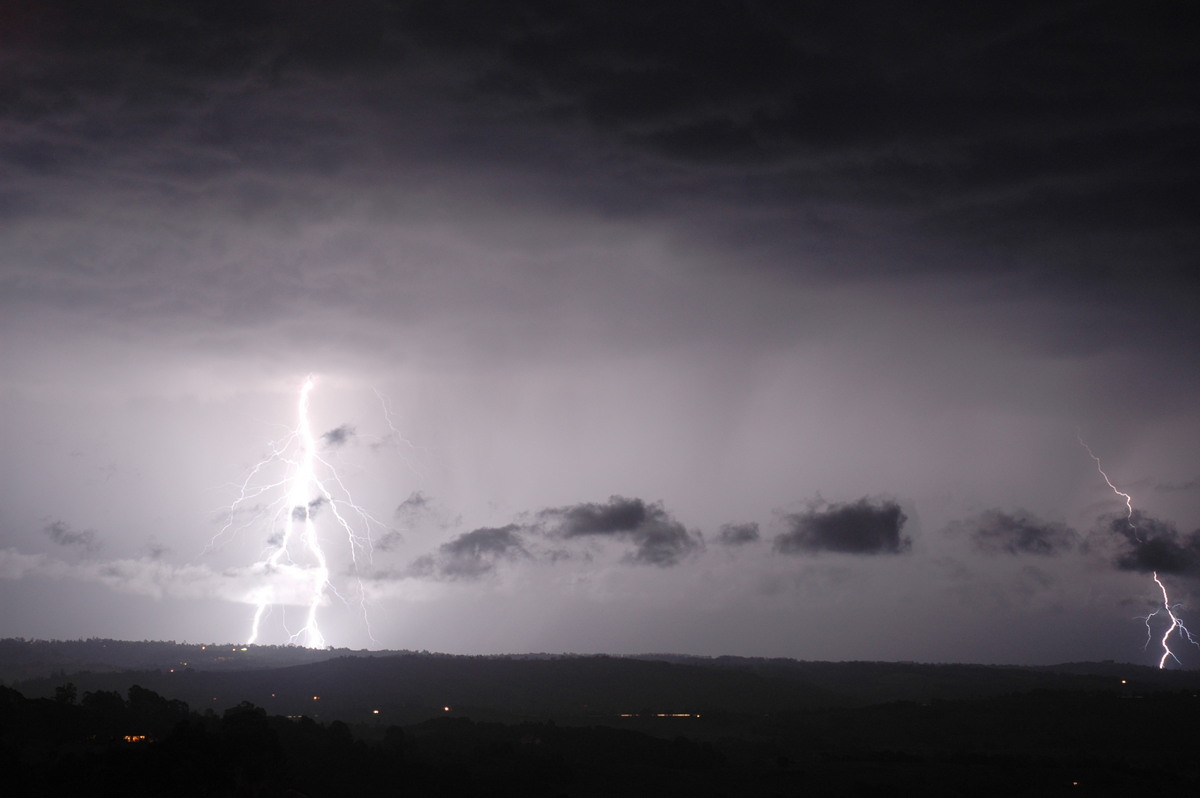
(718, 327)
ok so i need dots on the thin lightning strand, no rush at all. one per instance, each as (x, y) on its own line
(308, 486)
(1128, 499)
(1176, 625)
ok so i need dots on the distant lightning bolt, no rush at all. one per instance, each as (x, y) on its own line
(1128, 499)
(295, 565)
(1176, 625)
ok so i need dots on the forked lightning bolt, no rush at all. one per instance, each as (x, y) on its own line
(294, 568)
(1176, 625)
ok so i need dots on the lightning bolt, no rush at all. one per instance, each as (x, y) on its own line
(1176, 626)
(294, 567)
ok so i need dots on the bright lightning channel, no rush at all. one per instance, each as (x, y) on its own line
(295, 563)
(1176, 625)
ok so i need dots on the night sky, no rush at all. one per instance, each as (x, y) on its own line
(757, 328)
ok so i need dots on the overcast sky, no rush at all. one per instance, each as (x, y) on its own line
(710, 327)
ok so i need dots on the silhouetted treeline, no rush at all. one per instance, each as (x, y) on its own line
(1037, 743)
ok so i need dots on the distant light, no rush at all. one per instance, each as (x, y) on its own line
(1123, 682)
(374, 711)
(445, 709)
(316, 698)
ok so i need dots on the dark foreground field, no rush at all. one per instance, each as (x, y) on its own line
(132, 719)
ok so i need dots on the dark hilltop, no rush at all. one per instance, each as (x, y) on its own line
(214, 720)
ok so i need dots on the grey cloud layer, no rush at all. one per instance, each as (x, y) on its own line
(863, 527)
(658, 538)
(1156, 545)
(471, 555)
(975, 124)
(998, 532)
(737, 534)
(62, 534)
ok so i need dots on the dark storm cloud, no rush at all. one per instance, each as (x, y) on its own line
(658, 538)
(1005, 111)
(863, 527)
(998, 532)
(930, 100)
(1155, 545)
(472, 555)
(737, 534)
(62, 534)
(1051, 133)
(338, 435)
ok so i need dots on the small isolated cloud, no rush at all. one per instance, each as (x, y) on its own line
(658, 538)
(307, 511)
(417, 502)
(1154, 545)
(388, 541)
(737, 534)
(471, 555)
(61, 534)
(997, 532)
(863, 527)
(338, 436)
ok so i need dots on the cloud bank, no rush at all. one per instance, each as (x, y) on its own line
(866, 526)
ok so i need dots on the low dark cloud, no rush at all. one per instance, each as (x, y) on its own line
(737, 534)
(61, 534)
(863, 527)
(338, 436)
(997, 532)
(1154, 545)
(472, 555)
(657, 537)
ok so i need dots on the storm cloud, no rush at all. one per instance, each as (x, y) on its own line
(472, 555)
(998, 532)
(738, 534)
(338, 436)
(658, 538)
(862, 527)
(1151, 544)
(62, 534)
